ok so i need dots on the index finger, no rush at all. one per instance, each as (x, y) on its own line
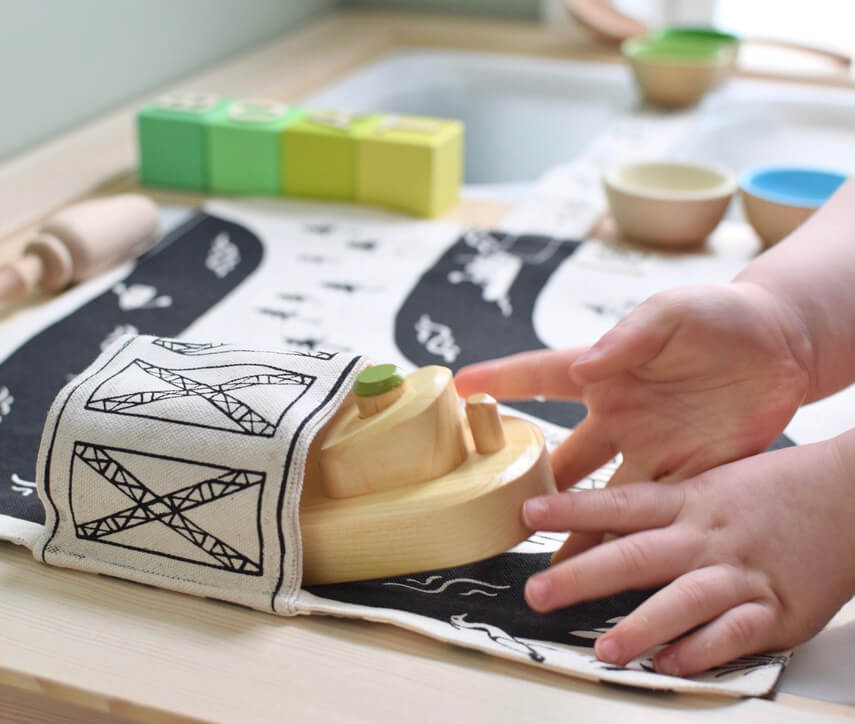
(523, 376)
(637, 561)
(623, 509)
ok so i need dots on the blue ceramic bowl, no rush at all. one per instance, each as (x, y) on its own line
(777, 199)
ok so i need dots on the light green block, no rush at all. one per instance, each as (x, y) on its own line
(245, 147)
(319, 154)
(410, 163)
(173, 140)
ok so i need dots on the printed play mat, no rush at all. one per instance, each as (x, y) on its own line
(294, 297)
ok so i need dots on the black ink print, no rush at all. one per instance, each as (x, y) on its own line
(277, 313)
(495, 634)
(362, 245)
(438, 595)
(484, 288)
(172, 395)
(746, 664)
(205, 349)
(346, 287)
(115, 467)
(320, 229)
(190, 349)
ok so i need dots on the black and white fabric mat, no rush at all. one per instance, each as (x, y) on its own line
(175, 401)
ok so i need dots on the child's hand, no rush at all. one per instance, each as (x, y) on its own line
(761, 553)
(693, 378)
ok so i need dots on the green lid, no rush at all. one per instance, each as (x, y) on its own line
(685, 45)
(695, 35)
(378, 379)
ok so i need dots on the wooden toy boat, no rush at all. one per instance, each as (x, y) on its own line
(400, 481)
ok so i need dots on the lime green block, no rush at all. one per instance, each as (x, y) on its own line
(319, 154)
(173, 140)
(245, 142)
(409, 163)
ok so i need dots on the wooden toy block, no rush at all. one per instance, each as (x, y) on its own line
(173, 140)
(405, 489)
(413, 164)
(245, 142)
(319, 154)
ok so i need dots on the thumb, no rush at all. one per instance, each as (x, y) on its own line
(634, 341)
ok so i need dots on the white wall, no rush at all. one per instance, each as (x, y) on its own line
(65, 61)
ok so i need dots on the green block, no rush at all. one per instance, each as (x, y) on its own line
(173, 140)
(245, 147)
(319, 154)
(409, 163)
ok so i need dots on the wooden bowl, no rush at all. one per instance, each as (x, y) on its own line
(668, 203)
(777, 199)
(674, 71)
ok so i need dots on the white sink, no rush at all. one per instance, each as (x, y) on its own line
(522, 115)
(751, 123)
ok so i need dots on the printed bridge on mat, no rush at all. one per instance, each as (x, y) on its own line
(168, 508)
(236, 392)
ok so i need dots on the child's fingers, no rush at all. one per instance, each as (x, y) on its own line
(633, 342)
(693, 599)
(577, 543)
(541, 373)
(742, 630)
(587, 534)
(636, 561)
(629, 472)
(581, 540)
(585, 449)
(623, 509)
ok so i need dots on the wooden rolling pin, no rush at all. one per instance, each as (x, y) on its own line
(80, 242)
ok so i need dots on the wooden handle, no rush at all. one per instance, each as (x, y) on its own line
(842, 59)
(100, 233)
(485, 423)
(81, 241)
(20, 277)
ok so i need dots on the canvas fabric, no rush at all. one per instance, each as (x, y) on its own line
(180, 465)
